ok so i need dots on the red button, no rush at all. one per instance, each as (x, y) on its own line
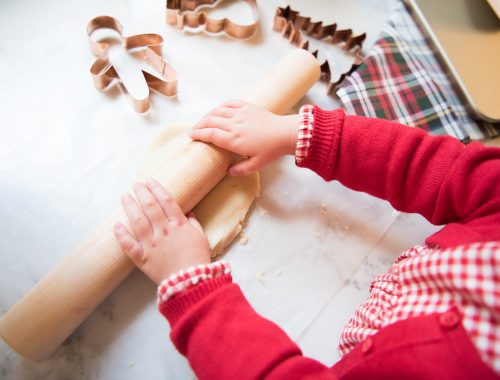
(367, 346)
(449, 319)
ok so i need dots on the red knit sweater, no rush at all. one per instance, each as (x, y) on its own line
(447, 182)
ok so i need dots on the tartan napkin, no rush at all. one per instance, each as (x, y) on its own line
(402, 80)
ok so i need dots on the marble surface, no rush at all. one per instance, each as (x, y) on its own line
(68, 151)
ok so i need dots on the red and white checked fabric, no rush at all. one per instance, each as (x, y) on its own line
(306, 120)
(186, 278)
(427, 280)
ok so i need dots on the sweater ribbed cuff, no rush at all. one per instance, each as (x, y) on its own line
(184, 279)
(304, 135)
(325, 142)
(176, 307)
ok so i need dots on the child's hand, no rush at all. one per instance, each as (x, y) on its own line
(249, 131)
(166, 241)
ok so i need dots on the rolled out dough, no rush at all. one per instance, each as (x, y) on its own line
(222, 212)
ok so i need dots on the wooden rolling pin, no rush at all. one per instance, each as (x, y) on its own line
(38, 323)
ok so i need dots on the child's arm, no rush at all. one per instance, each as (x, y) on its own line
(212, 323)
(436, 176)
(439, 177)
(215, 327)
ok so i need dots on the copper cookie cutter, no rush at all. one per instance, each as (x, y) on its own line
(147, 47)
(183, 13)
(292, 25)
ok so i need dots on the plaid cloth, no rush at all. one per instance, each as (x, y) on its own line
(402, 80)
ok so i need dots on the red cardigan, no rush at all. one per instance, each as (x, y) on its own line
(215, 327)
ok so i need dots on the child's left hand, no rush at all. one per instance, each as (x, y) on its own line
(165, 241)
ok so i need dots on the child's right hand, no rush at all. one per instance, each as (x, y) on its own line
(249, 131)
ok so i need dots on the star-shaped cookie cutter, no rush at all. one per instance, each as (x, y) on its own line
(292, 25)
(147, 47)
(183, 13)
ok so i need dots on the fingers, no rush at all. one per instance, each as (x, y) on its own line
(156, 209)
(167, 203)
(150, 206)
(128, 244)
(224, 112)
(215, 136)
(138, 221)
(192, 219)
(212, 121)
(244, 167)
(233, 103)
(220, 117)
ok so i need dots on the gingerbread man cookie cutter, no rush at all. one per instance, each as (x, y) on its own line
(297, 28)
(183, 13)
(147, 47)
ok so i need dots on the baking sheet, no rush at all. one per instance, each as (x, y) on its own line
(466, 37)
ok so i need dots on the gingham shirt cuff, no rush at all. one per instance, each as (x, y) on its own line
(187, 278)
(306, 120)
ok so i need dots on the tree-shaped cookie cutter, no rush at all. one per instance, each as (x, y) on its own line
(292, 25)
(147, 47)
(183, 13)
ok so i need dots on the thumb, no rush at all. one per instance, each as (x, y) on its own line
(195, 222)
(244, 167)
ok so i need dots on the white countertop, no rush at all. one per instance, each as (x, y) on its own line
(68, 151)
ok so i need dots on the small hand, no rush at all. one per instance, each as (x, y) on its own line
(164, 240)
(249, 131)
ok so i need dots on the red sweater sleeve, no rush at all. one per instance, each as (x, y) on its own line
(436, 176)
(221, 335)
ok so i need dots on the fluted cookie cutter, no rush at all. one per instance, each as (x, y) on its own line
(292, 25)
(183, 13)
(147, 47)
